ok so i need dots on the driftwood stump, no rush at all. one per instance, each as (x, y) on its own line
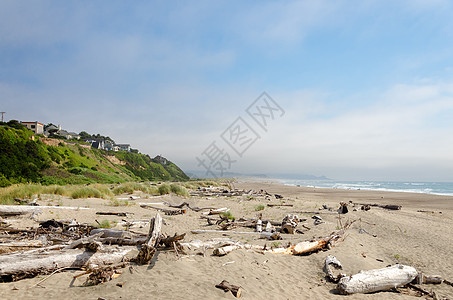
(226, 286)
(150, 247)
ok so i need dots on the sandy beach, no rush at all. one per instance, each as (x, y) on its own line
(418, 235)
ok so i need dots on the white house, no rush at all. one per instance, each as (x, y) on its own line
(36, 127)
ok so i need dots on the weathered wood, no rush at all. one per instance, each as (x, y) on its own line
(365, 206)
(377, 280)
(18, 266)
(169, 212)
(109, 213)
(427, 279)
(107, 232)
(19, 246)
(170, 240)
(217, 211)
(194, 208)
(85, 240)
(272, 205)
(270, 235)
(148, 249)
(332, 261)
(234, 289)
(14, 210)
(259, 225)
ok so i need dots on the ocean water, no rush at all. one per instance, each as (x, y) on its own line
(436, 188)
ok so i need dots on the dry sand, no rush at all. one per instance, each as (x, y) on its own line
(420, 239)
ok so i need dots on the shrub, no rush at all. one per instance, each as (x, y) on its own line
(54, 190)
(259, 207)
(228, 214)
(129, 187)
(85, 192)
(179, 190)
(164, 189)
(4, 182)
(105, 224)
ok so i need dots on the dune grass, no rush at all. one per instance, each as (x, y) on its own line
(179, 190)
(32, 191)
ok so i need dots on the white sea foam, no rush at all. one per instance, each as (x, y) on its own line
(435, 188)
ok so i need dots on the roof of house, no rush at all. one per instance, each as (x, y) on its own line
(35, 122)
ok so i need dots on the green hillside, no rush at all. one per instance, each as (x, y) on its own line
(25, 158)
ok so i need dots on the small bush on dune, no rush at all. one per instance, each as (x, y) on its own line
(104, 189)
(259, 207)
(129, 188)
(179, 190)
(86, 192)
(164, 189)
(153, 190)
(21, 191)
(54, 190)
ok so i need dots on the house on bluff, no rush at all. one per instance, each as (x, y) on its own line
(36, 127)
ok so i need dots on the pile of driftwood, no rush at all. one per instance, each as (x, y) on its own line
(56, 246)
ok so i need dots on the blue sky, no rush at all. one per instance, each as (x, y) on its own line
(366, 86)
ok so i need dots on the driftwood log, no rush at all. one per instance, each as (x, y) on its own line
(28, 264)
(194, 208)
(226, 286)
(150, 247)
(289, 224)
(377, 280)
(169, 212)
(14, 210)
(332, 261)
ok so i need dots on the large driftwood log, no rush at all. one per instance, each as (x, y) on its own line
(150, 247)
(377, 280)
(14, 210)
(26, 264)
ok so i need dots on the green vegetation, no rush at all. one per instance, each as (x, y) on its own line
(26, 159)
(164, 189)
(259, 207)
(179, 190)
(105, 224)
(228, 214)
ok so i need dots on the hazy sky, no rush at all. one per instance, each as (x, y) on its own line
(366, 87)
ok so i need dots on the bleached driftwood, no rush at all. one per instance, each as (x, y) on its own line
(107, 232)
(194, 208)
(217, 211)
(377, 280)
(332, 261)
(27, 264)
(307, 247)
(169, 212)
(210, 244)
(270, 235)
(259, 225)
(13, 210)
(150, 247)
